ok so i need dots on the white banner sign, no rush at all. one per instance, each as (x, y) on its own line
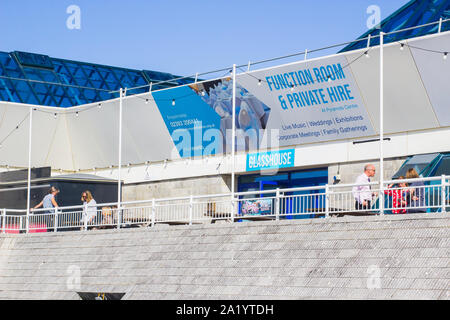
(310, 101)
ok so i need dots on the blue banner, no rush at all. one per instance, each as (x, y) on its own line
(188, 119)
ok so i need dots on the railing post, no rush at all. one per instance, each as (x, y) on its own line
(327, 201)
(191, 208)
(55, 226)
(21, 222)
(277, 205)
(381, 199)
(3, 220)
(85, 216)
(27, 222)
(440, 25)
(443, 185)
(119, 216)
(153, 211)
(149, 217)
(232, 209)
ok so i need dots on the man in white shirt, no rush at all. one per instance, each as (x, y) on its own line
(362, 193)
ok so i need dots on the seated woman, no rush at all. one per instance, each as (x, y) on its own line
(107, 218)
(417, 193)
(399, 196)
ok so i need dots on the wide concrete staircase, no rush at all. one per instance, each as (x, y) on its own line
(390, 257)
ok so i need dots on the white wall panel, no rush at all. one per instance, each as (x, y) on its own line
(145, 135)
(94, 135)
(435, 73)
(406, 103)
(59, 155)
(14, 150)
(48, 134)
(51, 144)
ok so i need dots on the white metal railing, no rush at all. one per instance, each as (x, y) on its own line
(420, 195)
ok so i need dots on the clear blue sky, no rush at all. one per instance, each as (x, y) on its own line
(179, 36)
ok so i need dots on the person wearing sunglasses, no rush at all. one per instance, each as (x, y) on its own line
(90, 208)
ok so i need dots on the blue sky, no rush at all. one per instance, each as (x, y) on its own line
(179, 36)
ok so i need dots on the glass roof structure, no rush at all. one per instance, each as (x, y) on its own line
(41, 80)
(414, 13)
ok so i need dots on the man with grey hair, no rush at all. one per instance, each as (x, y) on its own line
(362, 193)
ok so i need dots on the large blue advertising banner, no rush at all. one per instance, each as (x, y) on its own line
(305, 102)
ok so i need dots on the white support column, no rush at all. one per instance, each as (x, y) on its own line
(381, 193)
(30, 137)
(119, 185)
(233, 143)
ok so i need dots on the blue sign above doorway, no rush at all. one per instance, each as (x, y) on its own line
(270, 160)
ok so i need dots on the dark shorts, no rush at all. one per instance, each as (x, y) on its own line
(359, 206)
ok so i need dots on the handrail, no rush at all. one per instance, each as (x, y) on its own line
(237, 194)
(262, 204)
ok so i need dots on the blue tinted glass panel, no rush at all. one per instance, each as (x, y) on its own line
(413, 14)
(70, 83)
(34, 60)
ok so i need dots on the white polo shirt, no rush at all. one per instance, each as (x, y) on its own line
(362, 193)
